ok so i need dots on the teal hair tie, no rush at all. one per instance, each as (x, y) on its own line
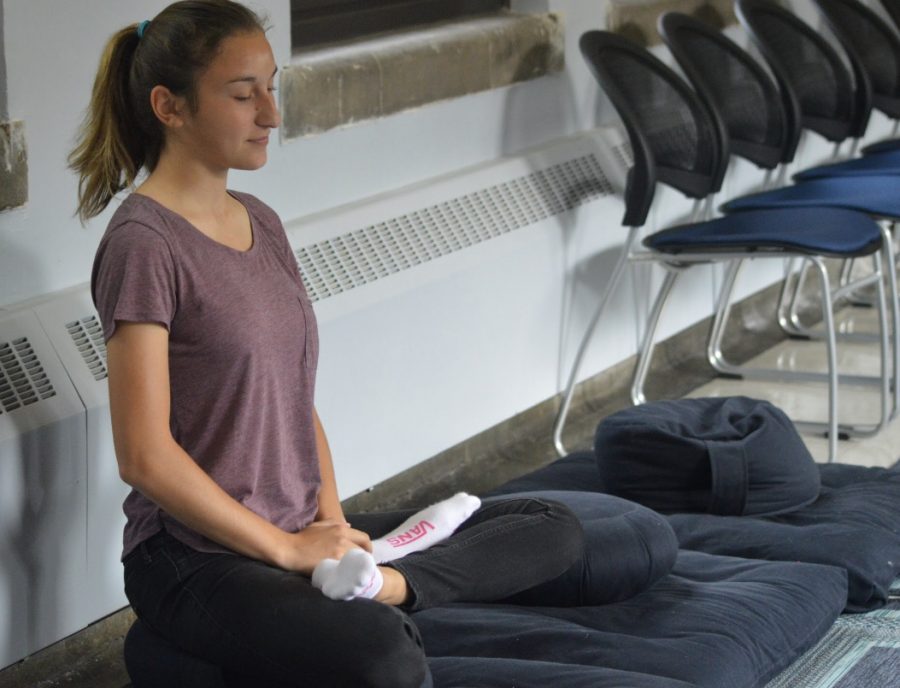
(142, 27)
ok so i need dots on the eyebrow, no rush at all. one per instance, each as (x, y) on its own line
(251, 79)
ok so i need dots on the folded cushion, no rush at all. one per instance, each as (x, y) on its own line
(729, 456)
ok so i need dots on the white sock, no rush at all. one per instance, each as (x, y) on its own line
(355, 575)
(425, 528)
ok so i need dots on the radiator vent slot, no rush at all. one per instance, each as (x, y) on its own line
(364, 255)
(22, 377)
(624, 154)
(87, 334)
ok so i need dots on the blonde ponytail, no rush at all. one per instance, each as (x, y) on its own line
(109, 154)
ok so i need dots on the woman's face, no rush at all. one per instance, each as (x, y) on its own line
(236, 106)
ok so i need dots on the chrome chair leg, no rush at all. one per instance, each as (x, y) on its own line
(647, 346)
(828, 316)
(890, 257)
(569, 391)
(789, 299)
(783, 307)
(723, 312)
(719, 363)
(796, 324)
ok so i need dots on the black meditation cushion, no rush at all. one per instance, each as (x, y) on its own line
(729, 456)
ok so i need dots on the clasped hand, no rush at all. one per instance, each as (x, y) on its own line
(327, 539)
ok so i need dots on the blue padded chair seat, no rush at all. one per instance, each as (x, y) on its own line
(871, 195)
(854, 524)
(818, 231)
(883, 146)
(713, 622)
(887, 162)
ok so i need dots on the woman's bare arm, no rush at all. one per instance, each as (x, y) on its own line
(154, 464)
(329, 505)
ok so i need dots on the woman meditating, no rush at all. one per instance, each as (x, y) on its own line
(236, 549)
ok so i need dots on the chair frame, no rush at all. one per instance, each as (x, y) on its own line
(639, 192)
(747, 12)
(672, 26)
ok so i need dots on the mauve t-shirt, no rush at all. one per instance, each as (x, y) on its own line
(243, 348)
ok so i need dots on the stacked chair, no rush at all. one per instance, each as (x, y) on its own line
(736, 107)
(764, 124)
(679, 140)
(804, 63)
(829, 99)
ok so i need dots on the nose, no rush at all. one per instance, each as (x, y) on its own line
(267, 115)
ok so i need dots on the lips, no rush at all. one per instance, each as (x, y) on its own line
(261, 140)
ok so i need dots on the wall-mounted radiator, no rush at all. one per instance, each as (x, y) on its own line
(59, 538)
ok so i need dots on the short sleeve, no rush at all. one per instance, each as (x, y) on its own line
(134, 278)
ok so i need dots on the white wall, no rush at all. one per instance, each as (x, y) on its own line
(382, 371)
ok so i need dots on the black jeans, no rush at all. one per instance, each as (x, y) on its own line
(218, 620)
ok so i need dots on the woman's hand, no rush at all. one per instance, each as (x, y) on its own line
(326, 539)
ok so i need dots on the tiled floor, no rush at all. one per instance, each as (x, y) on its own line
(808, 401)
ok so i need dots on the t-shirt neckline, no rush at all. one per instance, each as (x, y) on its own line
(254, 234)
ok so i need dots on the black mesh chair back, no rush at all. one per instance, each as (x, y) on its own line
(803, 61)
(676, 139)
(873, 44)
(763, 121)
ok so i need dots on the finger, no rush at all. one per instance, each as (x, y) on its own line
(360, 539)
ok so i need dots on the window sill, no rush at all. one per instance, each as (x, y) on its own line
(13, 165)
(636, 19)
(339, 86)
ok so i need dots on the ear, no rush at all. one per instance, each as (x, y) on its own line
(168, 108)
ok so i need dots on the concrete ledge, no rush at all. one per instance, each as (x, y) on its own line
(636, 19)
(91, 658)
(338, 86)
(13, 165)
